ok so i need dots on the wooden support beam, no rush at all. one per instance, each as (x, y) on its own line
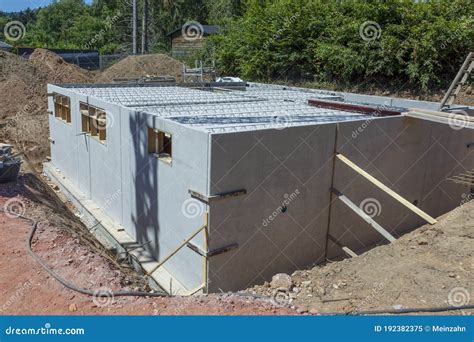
(346, 249)
(387, 190)
(176, 250)
(208, 199)
(349, 252)
(363, 215)
(353, 107)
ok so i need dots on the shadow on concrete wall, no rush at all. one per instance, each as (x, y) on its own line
(145, 178)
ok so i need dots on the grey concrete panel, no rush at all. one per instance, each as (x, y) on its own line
(450, 155)
(293, 164)
(399, 152)
(162, 213)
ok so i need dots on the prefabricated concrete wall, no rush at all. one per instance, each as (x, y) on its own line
(412, 157)
(291, 165)
(148, 197)
(62, 144)
(158, 210)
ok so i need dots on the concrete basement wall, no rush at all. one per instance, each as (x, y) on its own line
(411, 156)
(158, 210)
(148, 197)
(295, 164)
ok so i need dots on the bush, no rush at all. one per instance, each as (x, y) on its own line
(417, 45)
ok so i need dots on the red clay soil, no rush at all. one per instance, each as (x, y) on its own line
(25, 288)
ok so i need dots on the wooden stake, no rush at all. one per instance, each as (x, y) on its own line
(387, 190)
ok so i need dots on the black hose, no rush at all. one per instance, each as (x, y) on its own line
(103, 293)
(402, 311)
(97, 293)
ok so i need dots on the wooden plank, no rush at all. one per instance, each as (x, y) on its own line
(177, 249)
(349, 252)
(346, 249)
(363, 215)
(371, 110)
(387, 190)
(443, 114)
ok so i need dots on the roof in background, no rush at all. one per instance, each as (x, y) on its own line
(207, 29)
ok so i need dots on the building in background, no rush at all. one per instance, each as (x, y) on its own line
(189, 38)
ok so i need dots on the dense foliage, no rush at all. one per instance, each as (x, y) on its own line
(402, 43)
(419, 44)
(106, 24)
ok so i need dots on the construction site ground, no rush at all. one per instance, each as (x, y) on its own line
(431, 266)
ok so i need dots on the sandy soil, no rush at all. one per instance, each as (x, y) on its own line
(23, 114)
(144, 65)
(431, 266)
(25, 288)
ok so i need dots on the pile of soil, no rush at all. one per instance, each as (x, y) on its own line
(143, 65)
(429, 267)
(57, 70)
(23, 114)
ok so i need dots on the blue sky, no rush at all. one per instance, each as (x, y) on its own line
(18, 5)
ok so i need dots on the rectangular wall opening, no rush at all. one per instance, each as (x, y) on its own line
(62, 107)
(94, 121)
(160, 144)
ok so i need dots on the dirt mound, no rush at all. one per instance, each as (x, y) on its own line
(144, 65)
(57, 70)
(23, 114)
(429, 267)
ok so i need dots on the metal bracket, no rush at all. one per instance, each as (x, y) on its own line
(208, 199)
(213, 252)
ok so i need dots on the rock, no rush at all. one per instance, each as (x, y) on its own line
(422, 242)
(306, 283)
(397, 306)
(281, 281)
(313, 312)
(73, 307)
(452, 275)
(301, 311)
